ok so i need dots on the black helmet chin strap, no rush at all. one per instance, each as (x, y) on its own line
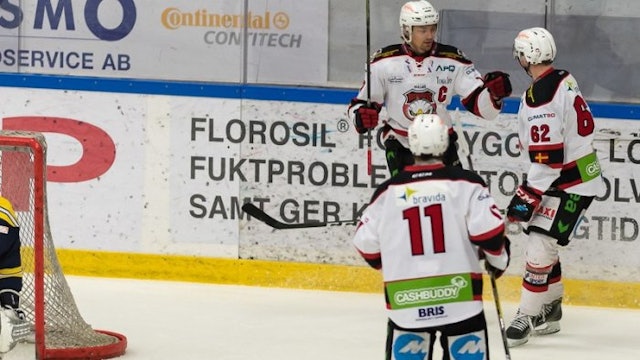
(527, 68)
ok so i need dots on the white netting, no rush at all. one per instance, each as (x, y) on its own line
(65, 329)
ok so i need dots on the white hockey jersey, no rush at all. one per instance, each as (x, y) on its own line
(423, 228)
(409, 85)
(556, 130)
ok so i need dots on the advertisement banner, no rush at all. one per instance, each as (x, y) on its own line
(168, 175)
(282, 41)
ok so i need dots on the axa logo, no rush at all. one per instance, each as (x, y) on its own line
(63, 16)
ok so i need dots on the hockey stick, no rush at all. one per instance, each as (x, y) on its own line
(257, 213)
(503, 331)
(465, 149)
(368, 30)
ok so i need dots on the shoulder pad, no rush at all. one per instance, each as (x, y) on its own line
(389, 51)
(543, 90)
(458, 173)
(7, 213)
(451, 52)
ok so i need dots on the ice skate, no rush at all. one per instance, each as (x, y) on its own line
(548, 322)
(520, 329)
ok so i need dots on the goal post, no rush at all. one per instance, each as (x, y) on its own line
(59, 329)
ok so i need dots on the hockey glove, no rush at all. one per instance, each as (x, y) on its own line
(498, 84)
(494, 270)
(523, 204)
(367, 117)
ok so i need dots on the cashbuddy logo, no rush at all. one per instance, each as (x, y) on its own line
(425, 295)
(61, 15)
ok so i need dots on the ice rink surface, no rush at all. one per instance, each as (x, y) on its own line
(189, 321)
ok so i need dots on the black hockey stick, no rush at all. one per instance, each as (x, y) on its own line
(494, 286)
(367, 15)
(257, 213)
(503, 331)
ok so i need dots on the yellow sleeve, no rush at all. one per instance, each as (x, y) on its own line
(6, 212)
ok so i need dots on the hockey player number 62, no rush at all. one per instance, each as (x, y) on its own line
(585, 118)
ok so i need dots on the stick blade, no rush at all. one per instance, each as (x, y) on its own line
(255, 212)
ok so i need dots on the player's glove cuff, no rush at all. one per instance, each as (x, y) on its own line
(494, 270)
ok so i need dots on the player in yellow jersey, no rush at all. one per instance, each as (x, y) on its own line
(13, 326)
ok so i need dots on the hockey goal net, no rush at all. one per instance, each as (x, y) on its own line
(60, 331)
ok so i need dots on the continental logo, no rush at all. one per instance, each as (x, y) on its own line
(173, 18)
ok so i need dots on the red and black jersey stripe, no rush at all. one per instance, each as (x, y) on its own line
(550, 155)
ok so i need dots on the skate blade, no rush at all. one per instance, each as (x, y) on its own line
(547, 328)
(517, 342)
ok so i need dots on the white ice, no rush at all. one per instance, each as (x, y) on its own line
(174, 320)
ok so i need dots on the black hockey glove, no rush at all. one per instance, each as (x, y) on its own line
(495, 271)
(367, 117)
(523, 204)
(498, 84)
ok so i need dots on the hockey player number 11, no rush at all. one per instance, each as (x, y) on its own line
(434, 212)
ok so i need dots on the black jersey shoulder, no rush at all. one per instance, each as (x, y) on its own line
(454, 173)
(544, 89)
(388, 52)
(451, 173)
(451, 52)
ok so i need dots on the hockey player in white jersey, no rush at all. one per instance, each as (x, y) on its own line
(422, 229)
(556, 132)
(421, 76)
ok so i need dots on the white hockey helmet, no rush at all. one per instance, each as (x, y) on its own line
(428, 135)
(536, 45)
(416, 13)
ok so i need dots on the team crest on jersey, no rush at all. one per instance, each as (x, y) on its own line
(418, 102)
